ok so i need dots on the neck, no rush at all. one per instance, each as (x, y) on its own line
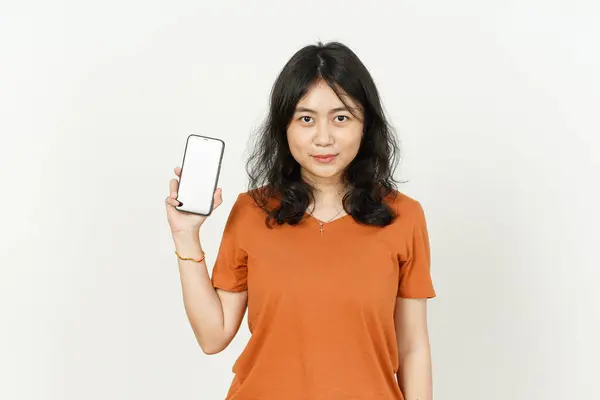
(328, 191)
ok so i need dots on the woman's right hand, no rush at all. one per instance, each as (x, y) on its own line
(182, 222)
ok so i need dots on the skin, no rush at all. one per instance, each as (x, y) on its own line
(215, 315)
(414, 352)
(321, 125)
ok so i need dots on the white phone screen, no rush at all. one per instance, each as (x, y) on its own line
(199, 174)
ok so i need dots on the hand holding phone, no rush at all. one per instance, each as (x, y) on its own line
(195, 195)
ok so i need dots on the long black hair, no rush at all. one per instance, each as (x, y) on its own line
(275, 174)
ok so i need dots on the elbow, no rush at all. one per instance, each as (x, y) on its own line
(210, 351)
(416, 343)
(420, 354)
(211, 341)
(211, 348)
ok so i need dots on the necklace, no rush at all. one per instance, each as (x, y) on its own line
(322, 223)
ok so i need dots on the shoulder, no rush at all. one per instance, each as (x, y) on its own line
(408, 210)
(243, 214)
(253, 201)
(404, 205)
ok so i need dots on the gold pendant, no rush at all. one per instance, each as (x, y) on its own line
(321, 229)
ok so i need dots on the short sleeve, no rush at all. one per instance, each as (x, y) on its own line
(230, 269)
(415, 277)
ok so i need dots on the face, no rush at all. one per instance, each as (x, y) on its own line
(323, 136)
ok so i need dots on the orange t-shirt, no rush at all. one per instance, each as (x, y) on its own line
(321, 306)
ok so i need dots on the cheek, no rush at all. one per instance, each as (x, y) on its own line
(351, 144)
(296, 142)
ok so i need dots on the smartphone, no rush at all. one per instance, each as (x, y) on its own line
(200, 170)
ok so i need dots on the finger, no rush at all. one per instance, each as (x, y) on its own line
(177, 171)
(173, 186)
(218, 198)
(172, 202)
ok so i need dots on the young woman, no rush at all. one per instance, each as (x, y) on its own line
(330, 259)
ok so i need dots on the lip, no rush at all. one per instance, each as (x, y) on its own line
(325, 158)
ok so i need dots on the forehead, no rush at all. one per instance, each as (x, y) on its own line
(321, 97)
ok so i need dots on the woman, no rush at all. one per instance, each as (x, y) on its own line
(331, 260)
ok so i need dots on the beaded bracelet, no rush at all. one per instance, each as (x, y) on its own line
(190, 259)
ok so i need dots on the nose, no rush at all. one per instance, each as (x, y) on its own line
(323, 136)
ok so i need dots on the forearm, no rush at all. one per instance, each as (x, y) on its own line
(415, 375)
(202, 304)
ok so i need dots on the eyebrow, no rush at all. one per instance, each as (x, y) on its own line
(304, 109)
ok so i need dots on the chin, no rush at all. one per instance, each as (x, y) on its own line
(324, 172)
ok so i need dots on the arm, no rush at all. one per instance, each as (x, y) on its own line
(215, 315)
(414, 375)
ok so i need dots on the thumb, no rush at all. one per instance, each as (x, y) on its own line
(218, 198)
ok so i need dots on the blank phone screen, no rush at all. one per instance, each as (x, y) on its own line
(199, 174)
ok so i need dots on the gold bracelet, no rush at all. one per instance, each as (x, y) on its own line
(190, 259)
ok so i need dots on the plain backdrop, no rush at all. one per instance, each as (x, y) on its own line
(496, 106)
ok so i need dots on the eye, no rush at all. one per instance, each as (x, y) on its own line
(305, 118)
(342, 118)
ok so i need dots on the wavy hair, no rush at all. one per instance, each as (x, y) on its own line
(273, 172)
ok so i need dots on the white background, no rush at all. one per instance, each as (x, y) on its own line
(496, 104)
